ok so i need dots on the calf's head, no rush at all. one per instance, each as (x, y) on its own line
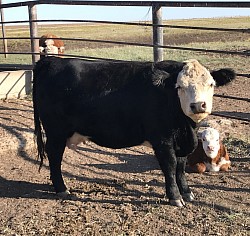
(210, 142)
(195, 86)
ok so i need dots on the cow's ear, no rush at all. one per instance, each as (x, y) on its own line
(223, 76)
(160, 77)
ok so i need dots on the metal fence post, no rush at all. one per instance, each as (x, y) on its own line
(5, 47)
(157, 32)
(33, 33)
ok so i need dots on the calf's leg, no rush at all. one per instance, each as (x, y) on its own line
(196, 168)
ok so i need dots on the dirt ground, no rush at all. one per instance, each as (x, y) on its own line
(121, 192)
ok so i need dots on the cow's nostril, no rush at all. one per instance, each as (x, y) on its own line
(203, 105)
(198, 107)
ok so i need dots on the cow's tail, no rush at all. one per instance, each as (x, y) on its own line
(38, 132)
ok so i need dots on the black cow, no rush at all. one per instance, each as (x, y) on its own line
(123, 104)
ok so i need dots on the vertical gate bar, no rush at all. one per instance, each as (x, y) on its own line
(33, 33)
(157, 32)
(5, 47)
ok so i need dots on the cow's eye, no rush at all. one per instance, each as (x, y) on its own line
(178, 87)
(211, 85)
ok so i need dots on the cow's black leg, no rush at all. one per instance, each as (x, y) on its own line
(181, 179)
(168, 164)
(55, 147)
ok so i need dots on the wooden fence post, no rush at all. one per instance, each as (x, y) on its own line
(157, 32)
(33, 33)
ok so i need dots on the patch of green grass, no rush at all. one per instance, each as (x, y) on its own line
(16, 59)
(119, 53)
(146, 54)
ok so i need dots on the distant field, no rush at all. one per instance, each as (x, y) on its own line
(181, 37)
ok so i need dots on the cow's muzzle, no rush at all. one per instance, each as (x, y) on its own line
(198, 107)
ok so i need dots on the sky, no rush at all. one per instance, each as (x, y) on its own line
(50, 12)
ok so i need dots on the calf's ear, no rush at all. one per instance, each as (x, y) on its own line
(223, 76)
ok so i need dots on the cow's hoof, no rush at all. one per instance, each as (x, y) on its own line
(189, 197)
(178, 203)
(64, 194)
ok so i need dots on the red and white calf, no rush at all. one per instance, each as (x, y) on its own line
(210, 155)
(50, 45)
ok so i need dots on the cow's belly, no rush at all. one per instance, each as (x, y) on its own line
(77, 139)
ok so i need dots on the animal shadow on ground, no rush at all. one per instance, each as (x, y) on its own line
(138, 162)
(115, 174)
(25, 189)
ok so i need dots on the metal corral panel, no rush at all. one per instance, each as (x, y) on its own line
(15, 84)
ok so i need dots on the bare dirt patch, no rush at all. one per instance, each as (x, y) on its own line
(120, 192)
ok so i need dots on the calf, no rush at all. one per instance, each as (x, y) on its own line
(210, 154)
(123, 104)
(50, 44)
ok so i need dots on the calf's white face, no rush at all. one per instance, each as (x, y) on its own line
(50, 48)
(195, 90)
(210, 142)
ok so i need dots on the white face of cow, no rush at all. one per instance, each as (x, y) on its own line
(210, 142)
(195, 90)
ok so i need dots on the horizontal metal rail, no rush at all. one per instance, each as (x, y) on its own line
(218, 4)
(6, 67)
(247, 30)
(65, 55)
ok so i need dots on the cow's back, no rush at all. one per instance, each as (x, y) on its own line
(90, 78)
